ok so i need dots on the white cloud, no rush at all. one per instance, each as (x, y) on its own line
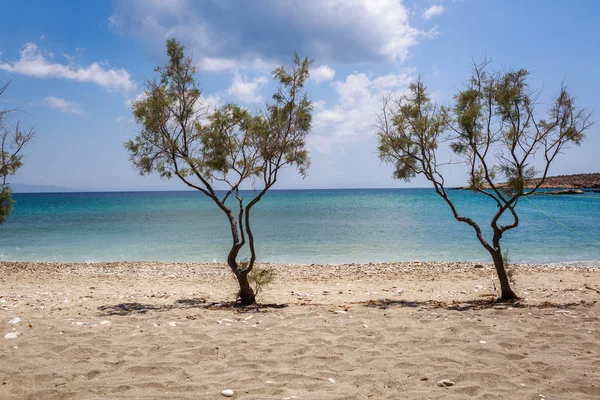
(322, 73)
(211, 101)
(333, 31)
(219, 64)
(247, 90)
(67, 107)
(432, 11)
(33, 63)
(353, 116)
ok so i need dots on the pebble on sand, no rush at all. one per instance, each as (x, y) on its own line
(11, 335)
(14, 321)
(445, 383)
(331, 380)
(227, 392)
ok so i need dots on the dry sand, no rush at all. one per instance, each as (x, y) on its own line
(377, 331)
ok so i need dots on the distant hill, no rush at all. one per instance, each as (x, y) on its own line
(576, 181)
(24, 188)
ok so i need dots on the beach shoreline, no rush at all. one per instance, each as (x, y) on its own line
(375, 330)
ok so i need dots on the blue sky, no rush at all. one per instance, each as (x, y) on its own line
(75, 66)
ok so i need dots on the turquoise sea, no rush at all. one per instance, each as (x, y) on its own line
(294, 226)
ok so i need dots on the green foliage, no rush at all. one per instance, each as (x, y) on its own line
(409, 130)
(12, 142)
(180, 137)
(506, 257)
(509, 266)
(494, 128)
(261, 277)
(6, 203)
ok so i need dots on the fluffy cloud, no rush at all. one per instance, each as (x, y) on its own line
(322, 73)
(67, 107)
(247, 90)
(220, 36)
(352, 117)
(33, 63)
(432, 11)
(219, 64)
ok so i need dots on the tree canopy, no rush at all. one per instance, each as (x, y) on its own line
(494, 127)
(12, 142)
(180, 137)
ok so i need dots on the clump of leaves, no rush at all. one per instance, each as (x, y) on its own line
(6, 202)
(510, 268)
(259, 277)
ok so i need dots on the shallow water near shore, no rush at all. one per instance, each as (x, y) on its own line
(295, 226)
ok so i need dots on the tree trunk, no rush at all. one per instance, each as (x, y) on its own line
(246, 293)
(505, 289)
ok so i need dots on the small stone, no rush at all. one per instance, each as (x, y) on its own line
(482, 342)
(172, 323)
(11, 335)
(105, 322)
(445, 383)
(340, 312)
(227, 392)
(365, 326)
(14, 321)
(77, 323)
(331, 380)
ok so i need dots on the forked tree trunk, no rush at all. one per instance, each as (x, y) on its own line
(506, 292)
(246, 293)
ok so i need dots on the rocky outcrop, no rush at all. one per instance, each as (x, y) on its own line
(577, 181)
(566, 191)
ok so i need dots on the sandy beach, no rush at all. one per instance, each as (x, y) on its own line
(370, 331)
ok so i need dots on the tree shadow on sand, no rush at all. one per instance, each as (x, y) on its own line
(196, 303)
(466, 305)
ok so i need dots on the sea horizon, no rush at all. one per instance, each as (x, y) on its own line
(294, 226)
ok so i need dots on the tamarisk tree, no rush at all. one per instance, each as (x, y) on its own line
(495, 129)
(178, 137)
(12, 142)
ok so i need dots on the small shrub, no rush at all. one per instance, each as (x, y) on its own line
(261, 277)
(510, 268)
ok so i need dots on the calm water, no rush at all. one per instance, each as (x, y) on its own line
(303, 226)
